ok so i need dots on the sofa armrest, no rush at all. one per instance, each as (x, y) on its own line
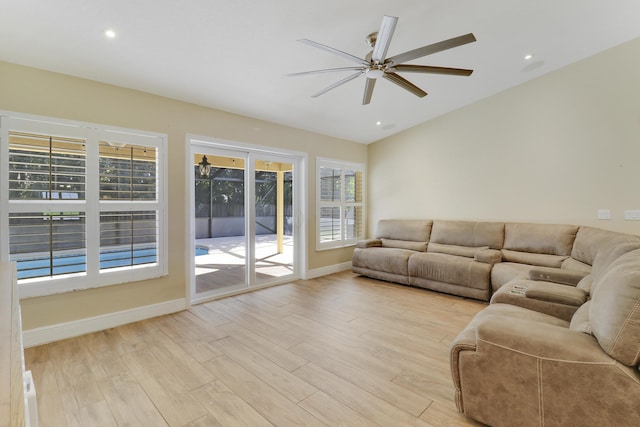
(488, 256)
(369, 243)
(556, 275)
(525, 371)
(465, 341)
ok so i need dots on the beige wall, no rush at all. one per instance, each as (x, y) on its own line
(555, 149)
(33, 91)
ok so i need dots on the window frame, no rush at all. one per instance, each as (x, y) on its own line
(92, 206)
(342, 204)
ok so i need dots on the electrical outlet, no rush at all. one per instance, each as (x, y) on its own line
(604, 213)
(632, 215)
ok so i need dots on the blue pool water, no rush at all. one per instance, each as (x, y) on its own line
(201, 250)
(65, 264)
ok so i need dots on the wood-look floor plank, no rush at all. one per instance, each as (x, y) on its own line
(279, 336)
(191, 335)
(435, 355)
(265, 317)
(350, 349)
(168, 394)
(258, 306)
(445, 415)
(129, 403)
(359, 400)
(272, 351)
(184, 367)
(340, 350)
(428, 383)
(96, 414)
(226, 409)
(210, 316)
(393, 393)
(267, 401)
(279, 378)
(333, 413)
(50, 408)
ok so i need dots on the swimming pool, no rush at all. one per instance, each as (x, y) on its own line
(202, 250)
(77, 263)
(40, 266)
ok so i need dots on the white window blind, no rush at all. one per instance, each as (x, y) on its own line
(85, 204)
(340, 203)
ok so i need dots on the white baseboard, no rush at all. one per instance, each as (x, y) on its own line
(61, 331)
(323, 271)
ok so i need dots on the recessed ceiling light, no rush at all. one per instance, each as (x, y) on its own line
(110, 34)
(528, 57)
(378, 123)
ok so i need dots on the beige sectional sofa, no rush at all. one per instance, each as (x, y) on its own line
(559, 345)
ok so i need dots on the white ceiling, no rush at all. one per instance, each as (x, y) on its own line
(230, 54)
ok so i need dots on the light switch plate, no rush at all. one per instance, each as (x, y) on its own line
(604, 213)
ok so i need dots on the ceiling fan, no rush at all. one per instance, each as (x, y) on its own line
(376, 64)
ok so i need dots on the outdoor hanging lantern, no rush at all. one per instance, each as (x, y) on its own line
(204, 167)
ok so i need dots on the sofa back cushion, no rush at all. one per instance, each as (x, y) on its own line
(413, 230)
(614, 311)
(574, 264)
(610, 250)
(547, 245)
(550, 239)
(590, 240)
(580, 320)
(468, 233)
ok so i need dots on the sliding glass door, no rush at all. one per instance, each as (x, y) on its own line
(220, 245)
(243, 210)
(274, 233)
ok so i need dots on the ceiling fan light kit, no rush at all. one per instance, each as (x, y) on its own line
(377, 65)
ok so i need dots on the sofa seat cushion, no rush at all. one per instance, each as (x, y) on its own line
(542, 260)
(389, 260)
(553, 299)
(506, 312)
(452, 269)
(464, 251)
(404, 244)
(511, 311)
(504, 272)
(562, 276)
(573, 264)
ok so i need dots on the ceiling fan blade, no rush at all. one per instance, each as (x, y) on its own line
(405, 84)
(432, 48)
(335, 51)
(368, 91)
(336, 84)
(328, 70)
(408, 68)
(383, 40)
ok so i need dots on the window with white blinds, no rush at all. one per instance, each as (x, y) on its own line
(85, 204)
(340, 194)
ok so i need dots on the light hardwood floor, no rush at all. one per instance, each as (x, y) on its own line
(340, 350)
